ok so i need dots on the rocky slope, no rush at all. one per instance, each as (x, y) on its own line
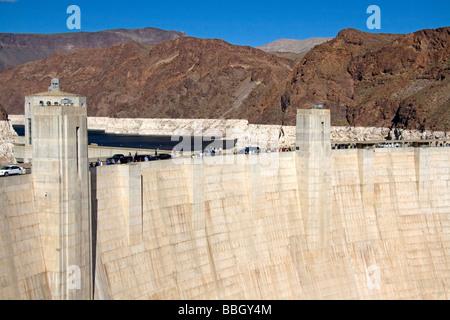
(296, 57)
(16, 49)
(185, 78)
(292, 45)
(365, 79)
(381, 80)
(3, 114)
(7, 139)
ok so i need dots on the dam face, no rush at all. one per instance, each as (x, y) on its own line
(312, 224)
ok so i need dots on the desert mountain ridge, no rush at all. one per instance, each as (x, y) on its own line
(184, 78)
(365, 79)
(388, 80)
(20, 48)
(292, 45)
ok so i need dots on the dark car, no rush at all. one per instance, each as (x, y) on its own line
(120, 157)
(163, 156)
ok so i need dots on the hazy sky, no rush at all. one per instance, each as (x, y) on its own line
(238, 22)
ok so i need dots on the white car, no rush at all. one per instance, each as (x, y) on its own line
(11, 170)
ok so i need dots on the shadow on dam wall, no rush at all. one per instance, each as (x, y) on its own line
(94, 219)
(232, 229)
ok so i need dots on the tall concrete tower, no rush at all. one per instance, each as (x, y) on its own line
(313, 162)
(56, 127)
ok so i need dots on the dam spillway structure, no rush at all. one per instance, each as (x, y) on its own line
(56, 128)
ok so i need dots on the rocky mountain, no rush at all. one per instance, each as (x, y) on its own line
(184, 78)
(365, 79)
(2, 113)
(292, 45)
(16, 49)
(296, 57)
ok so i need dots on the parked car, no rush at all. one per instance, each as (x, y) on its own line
(163, 156)
(11, 170)
(120, 157)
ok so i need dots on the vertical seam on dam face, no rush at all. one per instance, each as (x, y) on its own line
(6, 232)
(61, 288)
(202, 216)
(142, 205)
(93, 218)
(210, 255)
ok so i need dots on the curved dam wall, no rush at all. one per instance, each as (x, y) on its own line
(229, 230)
(234, 228)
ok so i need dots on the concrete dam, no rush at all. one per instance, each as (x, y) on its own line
(317, 223)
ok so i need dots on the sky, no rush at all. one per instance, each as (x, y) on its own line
(241, 22)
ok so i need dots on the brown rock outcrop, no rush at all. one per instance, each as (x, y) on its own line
(3, 115)
(377, 80)
(17, 48)
(185, 78)
(365, 79)
(292, 45)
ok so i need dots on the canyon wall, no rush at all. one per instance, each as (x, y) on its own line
(7, 139)
(247, 134)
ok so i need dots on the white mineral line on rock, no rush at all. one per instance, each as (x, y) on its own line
(7, 139)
